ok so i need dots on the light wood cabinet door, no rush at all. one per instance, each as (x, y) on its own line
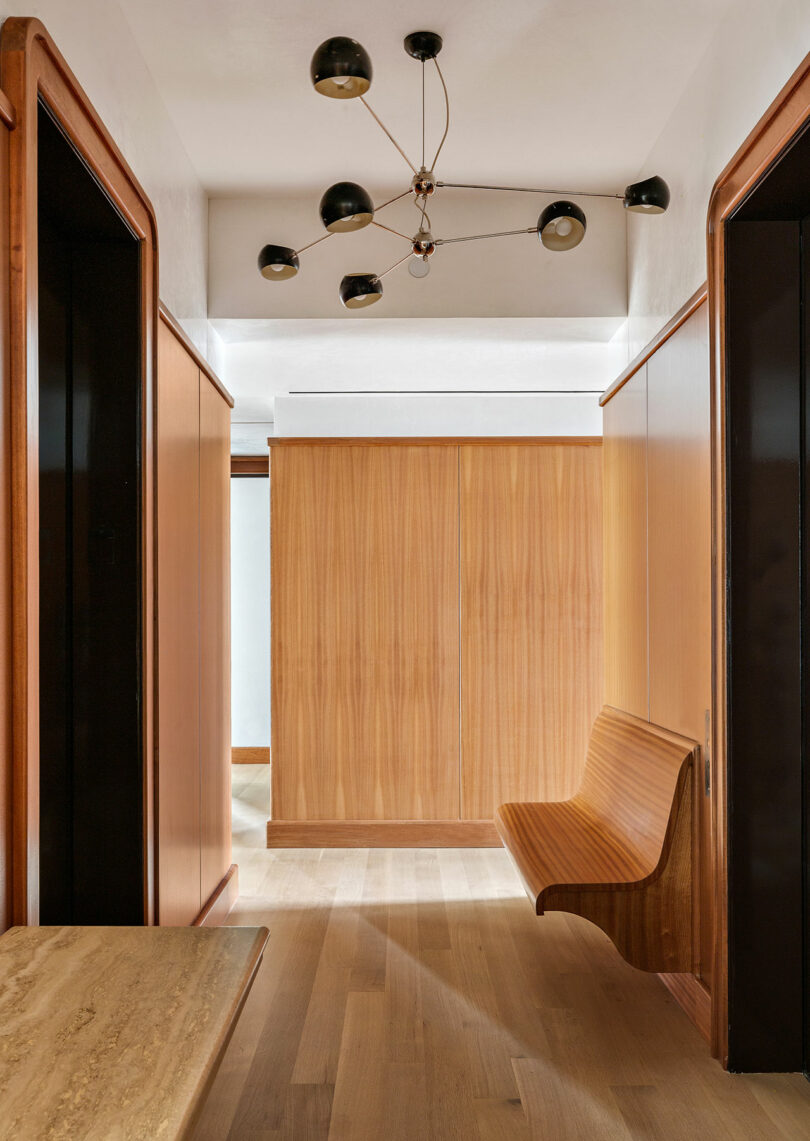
(5, 555)
(626, 618)
(178, 632)
(215, 714)
(679, 471)
(531, 620)
(364, 629)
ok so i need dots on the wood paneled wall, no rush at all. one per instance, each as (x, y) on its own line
(625, 504)
(193, 463)
(658, 620)
(364, 587)
(178, 462)
(436, 633)
(531, 621)
(5, 549)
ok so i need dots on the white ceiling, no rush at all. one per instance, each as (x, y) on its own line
(566, 94)
(569, 93)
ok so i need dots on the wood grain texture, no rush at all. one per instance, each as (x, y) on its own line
(693, 997)
(475, 1021)
(788, 114)
(680, 575)
(215, 636)
(168, 318)
(625, 557)
(32, 67)
(382, 834)
(364, 628)
(91, 1051)
(619, 852)
(250, 465)
(250, 755)
(530, 621)
(179, 836)
(220, 903)
(5, 557)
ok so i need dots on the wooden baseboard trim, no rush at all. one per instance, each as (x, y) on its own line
(221, 900)
(251, 755)
(382, 834)
(693, 998)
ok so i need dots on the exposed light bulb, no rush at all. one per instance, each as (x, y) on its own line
(342, 80)
(276, 268)
(564, 227)
(418, 266)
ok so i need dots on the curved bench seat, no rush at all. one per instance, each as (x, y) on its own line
(619, 852)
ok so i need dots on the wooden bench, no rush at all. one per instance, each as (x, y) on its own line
(117, 1032)
(618, 853)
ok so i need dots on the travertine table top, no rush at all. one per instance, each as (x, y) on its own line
(115, 1033)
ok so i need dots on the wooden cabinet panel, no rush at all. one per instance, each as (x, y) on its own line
(178, 639)
(215, 718)
(364, 572)
(5, 553)
(679, 475)
(531, 621)
(625, 529)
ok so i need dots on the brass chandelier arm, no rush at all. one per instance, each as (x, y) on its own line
(478, 237)
(382, 125)
(447, 115)
(404, 194)
(309, 245)
(529, 190)
(380, 226)
(394, 266)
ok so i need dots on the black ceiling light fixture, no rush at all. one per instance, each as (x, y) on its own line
(278, 263)
(561, 226)
(341, 69)
(358, 290)
(345, 207)
(648, 197)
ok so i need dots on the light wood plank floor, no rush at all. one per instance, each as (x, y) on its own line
(413, 996)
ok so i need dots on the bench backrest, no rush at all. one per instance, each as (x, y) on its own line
(635, 775)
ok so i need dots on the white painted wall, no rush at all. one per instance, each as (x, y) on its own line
(444, 414)
(96, 40)
(513, 276)
(250, 612)
(752, 55)
(421, 357)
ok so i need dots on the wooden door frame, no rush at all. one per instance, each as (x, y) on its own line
(31, 67)
(773, 134)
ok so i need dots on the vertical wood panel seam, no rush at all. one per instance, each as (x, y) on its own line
(460, 663)
(647, 530)
(199, 626)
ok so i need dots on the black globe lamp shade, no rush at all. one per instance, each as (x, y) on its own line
(561, 226)
(648, 197)
(357, 290)
(278, 263)
(346, 206)
(341, 68)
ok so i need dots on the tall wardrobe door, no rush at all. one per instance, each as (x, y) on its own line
(179, 897)
(364, 632)
(531, 620)
(215, 714)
